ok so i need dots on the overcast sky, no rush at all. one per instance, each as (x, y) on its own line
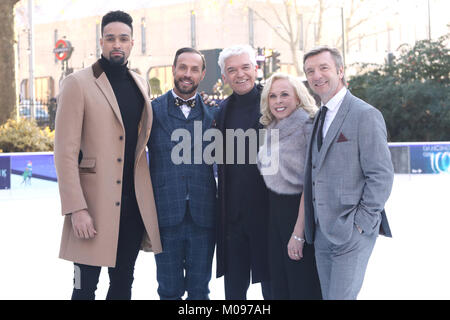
(47, 11)
(51, 10)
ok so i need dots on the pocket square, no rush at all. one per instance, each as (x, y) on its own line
(342, 138)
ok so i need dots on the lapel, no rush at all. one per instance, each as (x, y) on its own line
(335, 127)
(145, 125)
(104, 86)
(207, 119)
(223, 115)
(162, 108)
(220, 125)
(207, 115)
(313, 136)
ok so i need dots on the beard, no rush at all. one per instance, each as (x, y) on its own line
(116, 59)
(188, 90)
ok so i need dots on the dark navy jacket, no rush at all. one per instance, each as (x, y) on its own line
(256, 219)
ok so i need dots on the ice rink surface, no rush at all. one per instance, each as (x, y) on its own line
(414, 264)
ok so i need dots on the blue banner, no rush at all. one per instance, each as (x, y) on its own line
(430, 158)
(5, 172)
(40, 164)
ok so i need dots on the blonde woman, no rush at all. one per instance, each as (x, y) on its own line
(287, 106)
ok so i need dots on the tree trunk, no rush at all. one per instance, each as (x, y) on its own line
(290, 23)
(7, 61)
(318, 40)
(294, 47)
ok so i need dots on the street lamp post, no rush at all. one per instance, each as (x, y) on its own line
(429, 21)
(251, 30)
(31, 57)
(193, 30)
(343, 35)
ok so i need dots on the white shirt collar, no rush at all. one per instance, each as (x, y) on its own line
(336, 101)
(333, 107)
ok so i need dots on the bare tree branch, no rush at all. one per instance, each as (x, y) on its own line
(274, 28)
(286, 29)
(290, 31)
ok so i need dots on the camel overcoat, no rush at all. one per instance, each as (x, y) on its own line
(89, 153)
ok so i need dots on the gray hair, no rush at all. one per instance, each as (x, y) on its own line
(337, 57)
(236, 51)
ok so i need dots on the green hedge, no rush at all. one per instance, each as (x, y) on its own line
(412, 91)
(25, 136)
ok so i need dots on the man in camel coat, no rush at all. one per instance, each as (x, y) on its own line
(103, 124)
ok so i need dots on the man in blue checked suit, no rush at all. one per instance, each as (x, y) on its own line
(185, 193)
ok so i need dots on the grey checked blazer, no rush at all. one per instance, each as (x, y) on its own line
(172, 183)
(352, 177)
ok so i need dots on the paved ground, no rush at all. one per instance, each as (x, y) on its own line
(415, 264)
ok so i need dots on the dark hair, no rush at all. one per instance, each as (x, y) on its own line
(117, 16)
(192, 50)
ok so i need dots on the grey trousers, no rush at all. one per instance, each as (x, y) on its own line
(342, 268)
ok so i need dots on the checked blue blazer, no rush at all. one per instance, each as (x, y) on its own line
(173, 183)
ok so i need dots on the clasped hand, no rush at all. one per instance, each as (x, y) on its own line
(295, 249)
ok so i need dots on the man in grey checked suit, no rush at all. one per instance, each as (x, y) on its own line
(185, 193)
(348, 178)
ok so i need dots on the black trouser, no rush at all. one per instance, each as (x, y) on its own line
(290, 279)
(238, 265)
(121, 276)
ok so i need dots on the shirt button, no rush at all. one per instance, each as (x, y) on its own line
(119, 182)
(121, 138)
(119, 160)
(117, 204)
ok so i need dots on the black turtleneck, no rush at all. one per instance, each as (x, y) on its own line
(242, 179)
(131, 104)
(243, 110)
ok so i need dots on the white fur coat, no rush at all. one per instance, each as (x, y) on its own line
(282, 162)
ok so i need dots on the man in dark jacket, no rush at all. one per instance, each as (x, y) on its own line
(243, 208)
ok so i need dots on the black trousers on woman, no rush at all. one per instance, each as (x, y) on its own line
(121, 276)
(290, 279)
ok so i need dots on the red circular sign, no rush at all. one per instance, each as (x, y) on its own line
(63, 50)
